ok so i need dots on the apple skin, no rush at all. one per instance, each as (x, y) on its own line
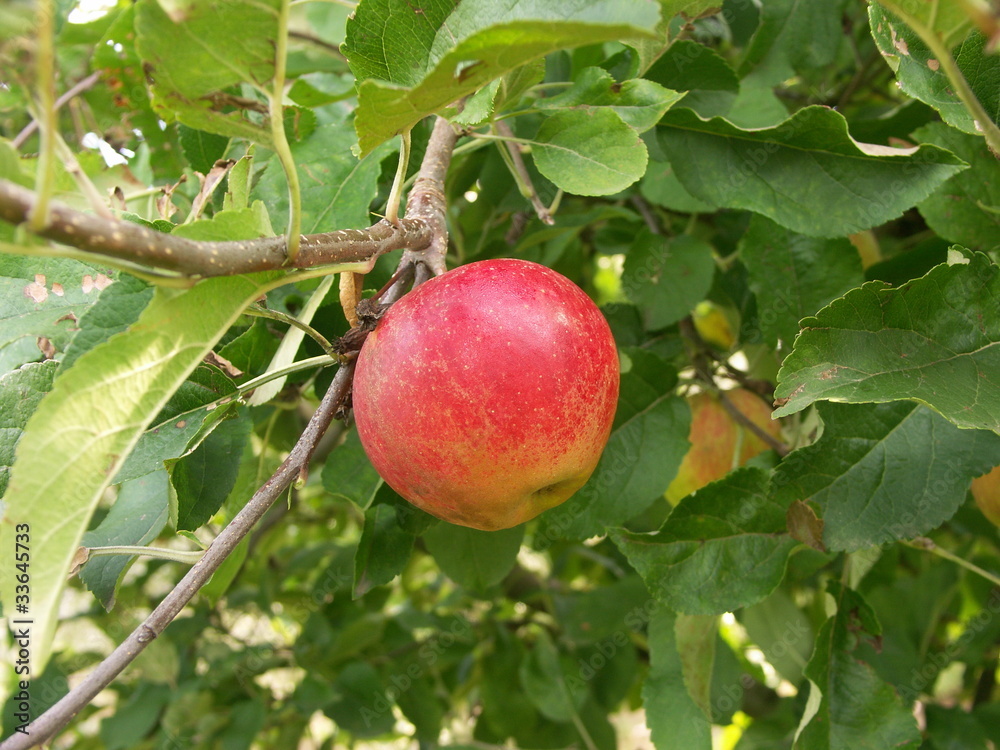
(714, 435)
(986, 491)
(486, 395)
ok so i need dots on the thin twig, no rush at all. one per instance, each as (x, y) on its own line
(928, 545)
(83, 182)
(647, 214)
(311, 363)
(160, 553)
(79, 88)
(331, 49)
(776, 445)
(262, 312)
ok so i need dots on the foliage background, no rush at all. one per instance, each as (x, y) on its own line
(795, 197)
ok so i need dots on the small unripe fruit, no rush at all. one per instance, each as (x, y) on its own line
(486, 395)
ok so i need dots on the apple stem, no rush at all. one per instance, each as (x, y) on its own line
(188, 557)
(257, 311)
(776, 445)
(511, 153)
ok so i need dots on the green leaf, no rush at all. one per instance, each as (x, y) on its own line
(202, 480)
(137, 518)
(79, 436)
(516, 83)
(361, 706)
(647, 443)
(43, 298)
(909, 604)
(115, 310)
(935, 340)
(422, 706)
(782, 632)
(673, 717)
(589, 152)
(229, 224)
(192, 55)
(722, 548)
(687, 65)
(586, 617)
(251, 350)
(383, 551)
(416, 62)
(951, 21)
(920, 75)
(860, 473)
(317, 89)
(160, 225)
(135, 718)
(661, 187)
(506, 712)
(180, 425)
(793, 36)
(543, 678)
(667, 276)
(337, 188)
(953, 726)
(411, 519)
(729, 682)
(472, 558)
(10, 165)
(479, 108)
(806, 173)
(756, 106)
(238, 183)
(349, 474)
(966, 208)
(201, 149)
(690, 8)
(849, 706)
(639, 102)
(20, 392)
(793, 276)
(696, 638)
(206, 384)
(388, 45)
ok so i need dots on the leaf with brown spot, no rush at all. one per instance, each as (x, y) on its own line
(29, 311)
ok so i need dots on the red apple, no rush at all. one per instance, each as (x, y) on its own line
(486, 395)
